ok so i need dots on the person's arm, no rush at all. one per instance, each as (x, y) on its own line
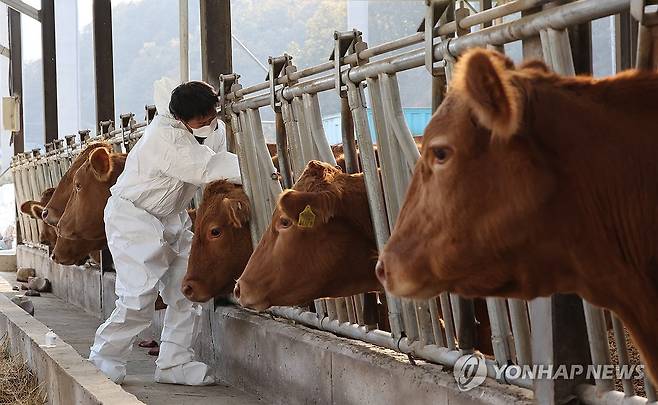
(198, 164)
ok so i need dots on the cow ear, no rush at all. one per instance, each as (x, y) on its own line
(26, 208)
(237, 211)
(192, 213)
(308, 208)
(101, 164)
(483, 77)
(535, 64)
(36, 211)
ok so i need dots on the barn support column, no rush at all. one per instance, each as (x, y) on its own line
(103, 60)
(49, 61)
(16, 74)
(216, 53)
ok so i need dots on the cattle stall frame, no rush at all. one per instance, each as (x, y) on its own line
(417, 328)
(510, 319)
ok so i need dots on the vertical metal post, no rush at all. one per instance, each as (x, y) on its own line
(184, 39)
(626, 29)
(598, 342)
(103, 60)
(216, 54)
(347, 132)
(532, 48)
(16, 74)
(282, 149)
(47, 14)
(357, 102)
(558, 337)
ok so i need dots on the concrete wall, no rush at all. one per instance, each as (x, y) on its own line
(79, 285)
(288, 364)
(7, 262)
(67, 378)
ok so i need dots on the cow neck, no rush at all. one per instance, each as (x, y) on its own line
(606, 167)
(354, 205)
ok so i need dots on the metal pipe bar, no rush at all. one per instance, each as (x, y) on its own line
(268, 174)
(23, 8)
(501, 337)
(437, 330)
(373, 187)
(528, 26)
(590, 395)
(521, 331)
(316, 131)
(184, 39)
(249, 182)
(439, 355)
(622, 353)
(292, 131)
(598, 341)
(304, 133)
(448, 321)
(282, 150)
(449, 28)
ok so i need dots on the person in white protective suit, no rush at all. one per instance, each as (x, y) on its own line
(148, 231)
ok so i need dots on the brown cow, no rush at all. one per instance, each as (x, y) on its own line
(297, 262)
(82, 220)
(47, 233)
(532, 184)
(294, 264)
(55, 207)
(222, 242)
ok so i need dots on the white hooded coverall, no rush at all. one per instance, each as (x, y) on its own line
(148, 234)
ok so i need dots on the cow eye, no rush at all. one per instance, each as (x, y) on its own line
(215, 232)
(285, 222)
(78, 186)
(441, 154)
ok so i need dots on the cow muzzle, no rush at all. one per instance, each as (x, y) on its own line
(193, 291)
(246, 300)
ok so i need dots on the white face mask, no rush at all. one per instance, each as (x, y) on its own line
(204, 132)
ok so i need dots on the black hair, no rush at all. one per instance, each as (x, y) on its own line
(192, 99)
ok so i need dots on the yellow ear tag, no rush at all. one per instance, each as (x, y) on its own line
(306, 218)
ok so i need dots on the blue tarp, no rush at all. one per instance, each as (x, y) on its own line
(417, 119)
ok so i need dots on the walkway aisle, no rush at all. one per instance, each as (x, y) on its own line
(76, 327)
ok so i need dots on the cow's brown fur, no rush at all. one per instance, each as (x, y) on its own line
(55, 207)
(531, 184)
(293, 265)
(83, 217)
(222, 242)
(47, 233)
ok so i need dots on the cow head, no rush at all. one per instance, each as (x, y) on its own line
(76, 251)
(47, 233)
(55, 207)
(320, 243)
(83, 216)
(476, 204)
(222, 242)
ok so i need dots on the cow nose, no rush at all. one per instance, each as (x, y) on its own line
(187, 290)
(236, 290)
(380, 271)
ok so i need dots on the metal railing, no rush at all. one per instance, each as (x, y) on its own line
(440, 330)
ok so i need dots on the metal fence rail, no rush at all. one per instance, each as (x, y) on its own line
(441, 329)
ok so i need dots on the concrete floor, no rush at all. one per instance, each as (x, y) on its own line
(77, 328)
